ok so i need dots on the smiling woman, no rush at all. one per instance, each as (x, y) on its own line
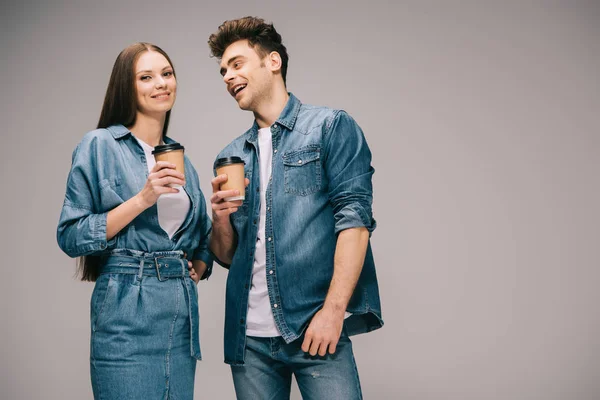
(140, 230)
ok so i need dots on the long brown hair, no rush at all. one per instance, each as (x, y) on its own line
(120, 107)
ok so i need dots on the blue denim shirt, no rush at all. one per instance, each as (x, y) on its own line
(108, 168)
(320, 185)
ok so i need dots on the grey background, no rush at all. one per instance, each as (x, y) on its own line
(483, 121)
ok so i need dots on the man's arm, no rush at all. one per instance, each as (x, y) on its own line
(347, 163)
(326, 326)
(223, 240)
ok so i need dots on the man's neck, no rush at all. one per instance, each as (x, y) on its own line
(148, 128)
(271, 108)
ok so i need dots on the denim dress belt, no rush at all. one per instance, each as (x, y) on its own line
(163, 265)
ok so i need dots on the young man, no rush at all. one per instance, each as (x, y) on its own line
(301, 272)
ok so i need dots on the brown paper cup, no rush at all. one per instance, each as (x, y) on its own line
(171, 153)
(233, 167)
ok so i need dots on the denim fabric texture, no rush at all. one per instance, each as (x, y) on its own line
(320, 185)
(144, 307)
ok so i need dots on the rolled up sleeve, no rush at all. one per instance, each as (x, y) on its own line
(82, 231)
(347, 164)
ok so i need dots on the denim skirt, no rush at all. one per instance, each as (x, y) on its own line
(144, 321)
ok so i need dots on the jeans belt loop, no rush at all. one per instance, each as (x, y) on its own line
(141, 270)
(157, 265)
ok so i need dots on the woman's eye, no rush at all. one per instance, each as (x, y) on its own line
(145, 77)
(168, 73)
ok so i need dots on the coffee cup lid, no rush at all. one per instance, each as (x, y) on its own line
(228, 161)
(162, 148)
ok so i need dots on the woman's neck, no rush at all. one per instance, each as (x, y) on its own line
(148, 128)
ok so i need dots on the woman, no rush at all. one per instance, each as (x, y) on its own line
(135, 223)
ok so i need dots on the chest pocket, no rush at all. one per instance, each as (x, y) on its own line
(110, 193)
(302, 170)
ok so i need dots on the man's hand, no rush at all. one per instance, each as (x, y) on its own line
(220, 207)
(323, 331)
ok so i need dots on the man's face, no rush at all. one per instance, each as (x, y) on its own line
(245, 75)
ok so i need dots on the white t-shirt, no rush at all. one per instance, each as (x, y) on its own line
(260, 320)
(172, 207)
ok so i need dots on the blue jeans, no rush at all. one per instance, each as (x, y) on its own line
(142, 340)
(270, 363)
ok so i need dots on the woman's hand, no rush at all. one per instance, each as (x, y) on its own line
(197, 269)
(193, 274)
(162, 175)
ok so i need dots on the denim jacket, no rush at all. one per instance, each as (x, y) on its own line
(108, 168)
(320, 185)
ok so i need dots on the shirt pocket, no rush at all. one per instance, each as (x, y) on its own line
(302, 170)
(110, 193)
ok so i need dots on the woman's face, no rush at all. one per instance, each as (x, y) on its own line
(155, 83)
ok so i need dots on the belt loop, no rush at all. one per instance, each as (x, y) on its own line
(158, 270)
(141, 270)
(184, 264)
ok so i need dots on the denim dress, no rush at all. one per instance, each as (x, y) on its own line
(144, 307)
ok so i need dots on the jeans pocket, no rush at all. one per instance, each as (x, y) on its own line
(302, 170)
(100, 298)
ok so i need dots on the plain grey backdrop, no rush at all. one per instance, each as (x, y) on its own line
(483, 120)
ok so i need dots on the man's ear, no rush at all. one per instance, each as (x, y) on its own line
(274, 61)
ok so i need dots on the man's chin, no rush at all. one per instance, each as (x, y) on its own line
(243, 105)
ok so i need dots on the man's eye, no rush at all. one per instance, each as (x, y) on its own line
(237, 64)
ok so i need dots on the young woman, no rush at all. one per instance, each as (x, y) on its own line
(135, 223)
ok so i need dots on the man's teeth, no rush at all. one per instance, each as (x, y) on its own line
(237, 89)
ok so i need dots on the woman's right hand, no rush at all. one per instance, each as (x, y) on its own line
(160, 176)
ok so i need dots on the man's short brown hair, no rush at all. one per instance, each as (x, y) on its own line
(261, 36)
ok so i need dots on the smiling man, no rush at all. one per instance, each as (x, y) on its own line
(301, 272)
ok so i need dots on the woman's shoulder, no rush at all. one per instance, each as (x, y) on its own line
(103, 136)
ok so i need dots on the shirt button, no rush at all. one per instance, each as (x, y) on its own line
(299, 161)
(254, 221)
(275, 305)
(269, 239)
(242, 321)
(268, 208)
(271, 272)
(275, 151)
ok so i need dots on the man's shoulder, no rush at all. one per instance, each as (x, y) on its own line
(311, 117)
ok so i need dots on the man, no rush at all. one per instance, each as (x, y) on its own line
(301, 272)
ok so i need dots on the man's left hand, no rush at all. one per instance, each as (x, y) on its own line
(323, 331)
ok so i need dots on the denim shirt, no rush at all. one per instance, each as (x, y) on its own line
(108, 168)
(320, 185)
